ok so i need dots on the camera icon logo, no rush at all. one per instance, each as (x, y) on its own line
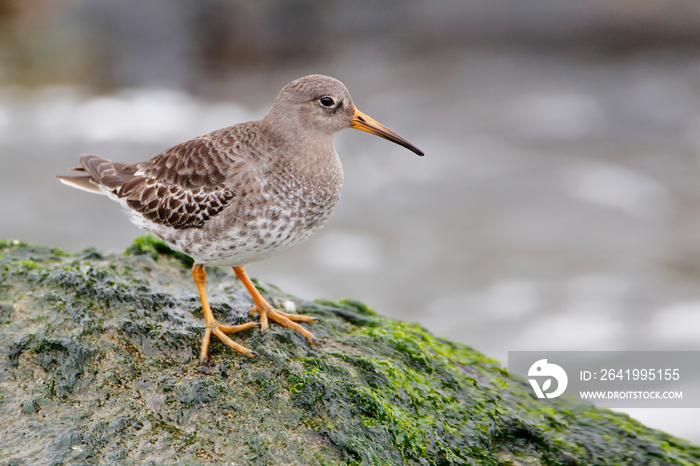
(547, 371)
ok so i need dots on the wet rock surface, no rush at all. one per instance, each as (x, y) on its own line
(100, 365)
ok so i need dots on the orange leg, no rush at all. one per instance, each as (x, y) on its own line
(266, 311)
(200, 278)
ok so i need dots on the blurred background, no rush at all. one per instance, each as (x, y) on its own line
(557, 206)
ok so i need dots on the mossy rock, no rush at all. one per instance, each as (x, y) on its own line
(101, 365)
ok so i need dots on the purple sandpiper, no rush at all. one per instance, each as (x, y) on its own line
(243, 193)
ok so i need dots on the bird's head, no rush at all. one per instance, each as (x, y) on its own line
(323, 104)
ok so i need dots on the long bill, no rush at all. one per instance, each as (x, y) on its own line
(364, 123)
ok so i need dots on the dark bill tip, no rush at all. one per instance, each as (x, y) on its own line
(364, 123)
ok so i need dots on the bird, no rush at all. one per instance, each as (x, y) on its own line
(243, 193)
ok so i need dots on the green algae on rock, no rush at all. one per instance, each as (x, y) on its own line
(101, 366)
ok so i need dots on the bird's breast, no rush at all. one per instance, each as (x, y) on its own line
(308, 196)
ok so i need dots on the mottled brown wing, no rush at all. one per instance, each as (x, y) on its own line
(182, 188)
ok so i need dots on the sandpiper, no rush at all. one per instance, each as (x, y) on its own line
(243, 193)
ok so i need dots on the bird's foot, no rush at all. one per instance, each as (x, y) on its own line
(267, 312)
(285, 319)
(215, 328)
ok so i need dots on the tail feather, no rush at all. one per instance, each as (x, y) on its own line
(84, 183)
(100, 174)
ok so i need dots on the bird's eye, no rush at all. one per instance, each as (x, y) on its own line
(326, 101)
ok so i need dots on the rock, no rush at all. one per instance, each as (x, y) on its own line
(100, 357)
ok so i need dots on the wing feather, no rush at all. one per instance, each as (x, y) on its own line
(181, 188)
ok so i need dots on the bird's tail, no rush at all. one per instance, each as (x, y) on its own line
(101, 175)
